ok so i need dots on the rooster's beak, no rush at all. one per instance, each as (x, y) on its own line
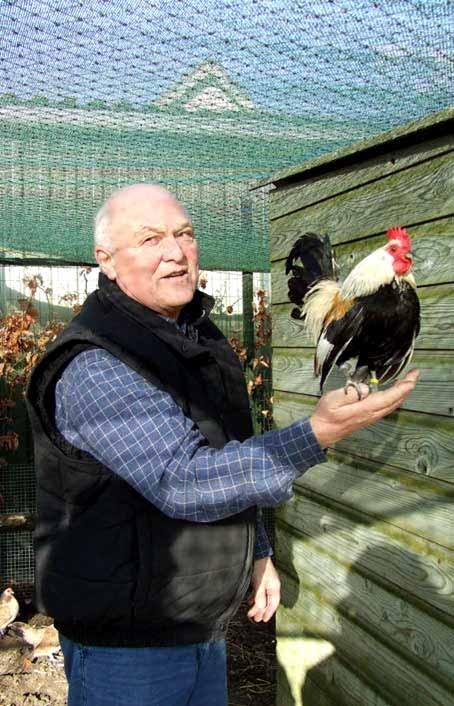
(409, 256)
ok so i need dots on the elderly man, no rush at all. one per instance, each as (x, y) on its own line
(149, 475)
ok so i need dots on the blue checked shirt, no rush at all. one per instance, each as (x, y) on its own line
(106, 408)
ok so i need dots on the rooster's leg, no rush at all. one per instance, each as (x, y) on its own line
(355, 376)
(373, 381)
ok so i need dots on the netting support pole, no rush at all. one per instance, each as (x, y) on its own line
(248, 315)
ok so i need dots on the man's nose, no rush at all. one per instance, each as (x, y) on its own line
(171, 249)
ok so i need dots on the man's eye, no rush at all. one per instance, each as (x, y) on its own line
(186, 235)
(151, 240)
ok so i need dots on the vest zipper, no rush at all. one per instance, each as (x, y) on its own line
(249, 563)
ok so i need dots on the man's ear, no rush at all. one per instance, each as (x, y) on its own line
(105, 261)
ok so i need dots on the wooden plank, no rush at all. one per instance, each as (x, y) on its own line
(433, 248)
(413, 132)
(288, 198)
(419, 636)
(310, 674)
(413, 196)
(437, 321)
(343, 685)
(313, 695)
(422, 506)
(398, 680)
(420, 571)
(421, 443)
(293, 371)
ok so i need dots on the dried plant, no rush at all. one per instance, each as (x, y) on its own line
(22, 342)
(258, 370)
(23, 339)
(239, 349)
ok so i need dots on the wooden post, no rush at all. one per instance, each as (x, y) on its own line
(248, 314)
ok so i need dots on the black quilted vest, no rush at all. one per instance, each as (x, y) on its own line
(111, 569)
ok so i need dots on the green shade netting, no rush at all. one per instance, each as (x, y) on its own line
(205, 97)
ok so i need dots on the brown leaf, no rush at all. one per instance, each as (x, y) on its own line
(6, 402)
(9, 441)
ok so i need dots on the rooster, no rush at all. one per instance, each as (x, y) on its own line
(367, 324)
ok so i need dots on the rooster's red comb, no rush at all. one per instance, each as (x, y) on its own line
(399, 233)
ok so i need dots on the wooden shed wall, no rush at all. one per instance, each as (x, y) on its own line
(365, 548)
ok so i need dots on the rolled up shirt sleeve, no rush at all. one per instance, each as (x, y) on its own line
(262, 543)
(139, 432)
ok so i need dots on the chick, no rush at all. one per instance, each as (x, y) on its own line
(9, 608)
(38, 641)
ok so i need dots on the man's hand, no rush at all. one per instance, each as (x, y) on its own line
(338, 414)
(266, 591)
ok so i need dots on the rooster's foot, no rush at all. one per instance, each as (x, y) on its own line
(356, 386)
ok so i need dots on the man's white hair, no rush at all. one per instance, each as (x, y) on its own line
(101, 227)
(103, 220)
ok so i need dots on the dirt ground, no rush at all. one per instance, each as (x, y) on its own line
(44, 684)
(251, 662)
(251, 669)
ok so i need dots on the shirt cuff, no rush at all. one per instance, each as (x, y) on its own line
(297, 446)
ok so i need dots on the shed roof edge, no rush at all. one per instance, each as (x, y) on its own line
(369, 147)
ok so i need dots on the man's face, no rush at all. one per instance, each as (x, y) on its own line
(155, 255)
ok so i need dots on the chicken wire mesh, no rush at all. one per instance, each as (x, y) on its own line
(17, 562)
(18, 496)
(203, 96)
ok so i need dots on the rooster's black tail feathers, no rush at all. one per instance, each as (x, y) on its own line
(316, 262)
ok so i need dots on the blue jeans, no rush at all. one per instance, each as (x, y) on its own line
(186, 675)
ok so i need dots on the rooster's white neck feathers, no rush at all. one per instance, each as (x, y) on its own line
(371, 273)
